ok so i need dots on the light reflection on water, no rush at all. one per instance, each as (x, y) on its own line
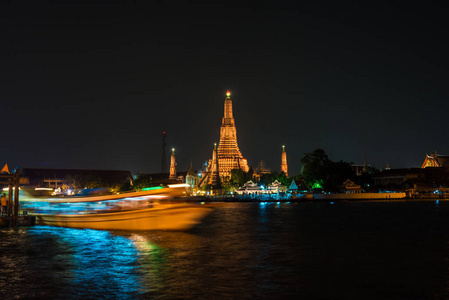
(72, 262)
(242, 251)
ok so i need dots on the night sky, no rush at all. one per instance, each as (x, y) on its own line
(87, 84)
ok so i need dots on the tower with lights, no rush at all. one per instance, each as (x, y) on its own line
(173, 165)
(284, 166)
(228, 154)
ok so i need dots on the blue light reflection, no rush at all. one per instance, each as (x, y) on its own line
(100, 263)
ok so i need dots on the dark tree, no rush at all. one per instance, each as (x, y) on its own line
(283, 179)
(336, 174)
(238, 177)
(319, 171)
(268, 178)
(142, 181)
(314, 168)
(126, 186)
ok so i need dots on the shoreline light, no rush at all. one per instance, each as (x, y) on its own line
(178, 185)
(152, 188)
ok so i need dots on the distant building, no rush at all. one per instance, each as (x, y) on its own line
(432, 176)
(414, 179)
(191, 179)
(261, 170)
(57, 178)
(277, 187)
(249, 188)
(350, 187)
(297, 186)
(163, 178)
(397, 178)
(365, 168)
(358, 169)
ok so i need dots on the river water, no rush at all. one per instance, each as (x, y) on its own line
(341, 250)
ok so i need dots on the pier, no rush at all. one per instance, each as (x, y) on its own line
(12, 218)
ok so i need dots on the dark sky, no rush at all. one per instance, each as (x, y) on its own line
(87, 84)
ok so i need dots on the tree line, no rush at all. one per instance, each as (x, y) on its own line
(317, 172)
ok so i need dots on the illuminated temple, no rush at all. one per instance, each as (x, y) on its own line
(227, 156)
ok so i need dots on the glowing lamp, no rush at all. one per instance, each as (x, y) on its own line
(228, 93)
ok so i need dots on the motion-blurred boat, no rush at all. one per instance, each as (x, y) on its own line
(147, 210)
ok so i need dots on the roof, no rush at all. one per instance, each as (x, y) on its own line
(435, 160)
(108, 176)
(191, 171)
(350, 185)
(60, 173)
(300, 184)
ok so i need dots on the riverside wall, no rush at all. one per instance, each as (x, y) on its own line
(359, 196)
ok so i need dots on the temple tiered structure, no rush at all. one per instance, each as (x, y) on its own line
(228, 153)
(173, 165)
(284, 166)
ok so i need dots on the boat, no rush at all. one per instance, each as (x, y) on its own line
(147, 210)
(163, 217)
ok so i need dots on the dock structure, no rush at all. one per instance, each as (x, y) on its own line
(11, 217)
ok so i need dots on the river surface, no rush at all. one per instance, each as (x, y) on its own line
(341, 250)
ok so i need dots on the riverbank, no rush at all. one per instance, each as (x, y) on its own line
(310, 198)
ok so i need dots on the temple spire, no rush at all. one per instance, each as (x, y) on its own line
(365, 165)
(214, 174)
(173, 165)
(228, 118)
(284, 166)
(228, 153)
(226, 156)
(191, 171)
